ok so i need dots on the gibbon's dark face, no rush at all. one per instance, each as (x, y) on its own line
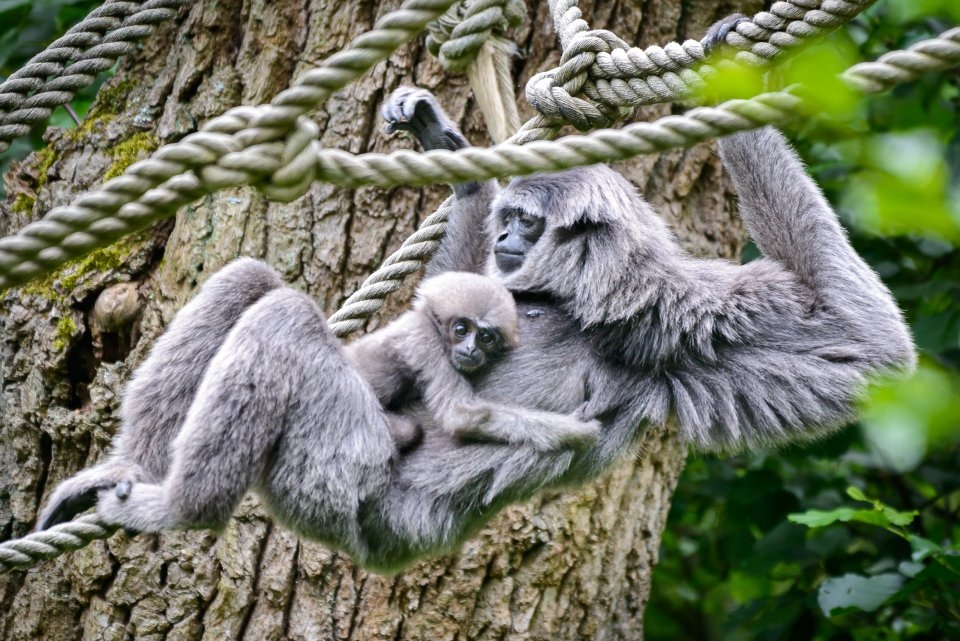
(473, 346)
(519, 231)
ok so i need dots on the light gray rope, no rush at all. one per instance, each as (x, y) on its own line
(408, 168)
(614, 78)
(411, 255)
(469, 38)
(48, 544)
(272, 146)
(52, 77)
(456, 36)
(242, 146)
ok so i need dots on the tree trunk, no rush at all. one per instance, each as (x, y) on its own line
(568, 565)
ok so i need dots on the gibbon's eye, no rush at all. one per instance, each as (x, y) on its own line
(487, 338)
(460, 329)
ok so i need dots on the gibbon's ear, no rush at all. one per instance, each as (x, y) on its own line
(422, 304)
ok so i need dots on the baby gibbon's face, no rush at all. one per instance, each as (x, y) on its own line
(473, 345)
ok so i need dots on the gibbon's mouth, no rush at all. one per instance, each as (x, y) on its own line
(508, 262)
(468, 364)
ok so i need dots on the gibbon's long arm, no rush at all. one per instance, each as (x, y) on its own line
(762, 353)
(416, 111)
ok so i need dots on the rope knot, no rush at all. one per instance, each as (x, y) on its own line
(456, 36)
(275, 155)
(555, 93)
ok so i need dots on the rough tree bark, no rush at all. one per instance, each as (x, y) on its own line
(570, 565)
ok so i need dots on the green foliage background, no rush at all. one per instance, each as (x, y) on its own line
(871, 551)
(882, 557)
(26, 27)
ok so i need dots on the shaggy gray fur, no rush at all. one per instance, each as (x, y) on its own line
(616, 323)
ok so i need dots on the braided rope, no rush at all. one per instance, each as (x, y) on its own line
(411, 255)
(49, 544)
(243, 146)
(272, 146)
(510, 159)
(52, 77)
(615, 78)
(456, 37)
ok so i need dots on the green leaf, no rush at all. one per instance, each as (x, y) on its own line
(820, 518)
(860, 592)
(857, 493)
(922, 548)
(897, 517)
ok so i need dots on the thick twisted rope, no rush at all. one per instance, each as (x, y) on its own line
(456, 37)
(408, 168)
(53, 77)
(49, 544)
(249, 145)
(614, 78)
(469, 38)
(411, 255)
(240, 147)
(699, 124)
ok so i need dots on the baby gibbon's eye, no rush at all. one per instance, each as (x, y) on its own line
(461, 329)
(487, 338)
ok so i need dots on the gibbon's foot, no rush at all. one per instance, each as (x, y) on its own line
(70, 506)
(716, 35)
(113, 507)
(417, 111)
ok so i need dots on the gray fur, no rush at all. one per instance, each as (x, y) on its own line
(616, 323)
(411, 359)
(157, 398)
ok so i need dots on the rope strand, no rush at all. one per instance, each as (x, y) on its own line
(71, 63)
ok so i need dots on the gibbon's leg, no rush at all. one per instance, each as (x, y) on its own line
(281, 411)
(162, 389)
(156, 400)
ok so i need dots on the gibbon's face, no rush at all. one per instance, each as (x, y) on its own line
(473, 345)
(519, 231)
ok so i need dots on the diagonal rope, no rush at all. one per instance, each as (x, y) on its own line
(243, 146)
(272, 146)
(54, 76)
(49, 544)
(388, 278)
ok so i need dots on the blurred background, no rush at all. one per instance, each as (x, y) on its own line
(856, 537)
